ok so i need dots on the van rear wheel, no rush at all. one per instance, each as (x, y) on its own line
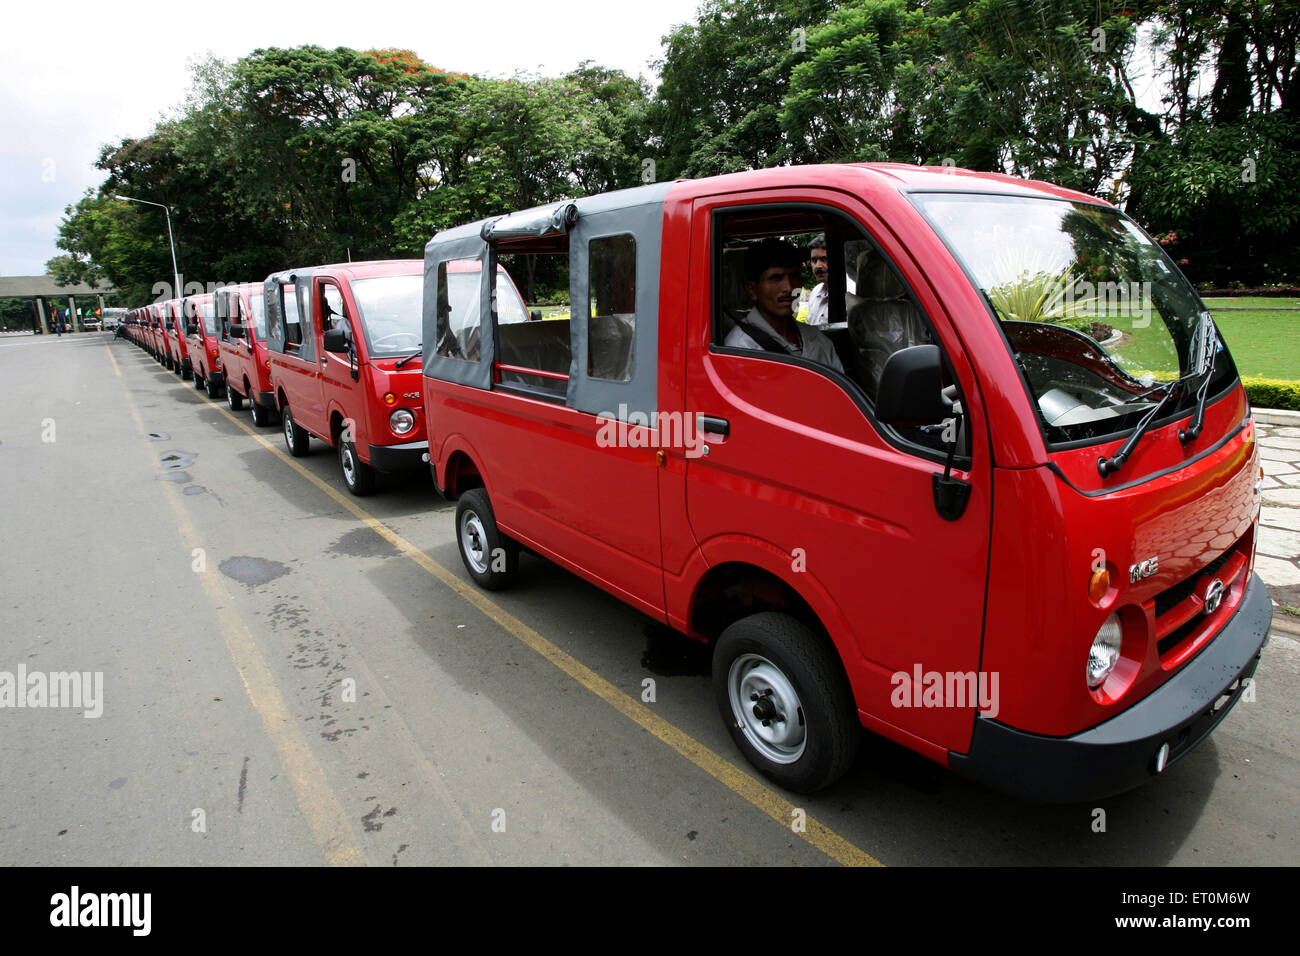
(491, 558)
(786, 701)
(234, 399)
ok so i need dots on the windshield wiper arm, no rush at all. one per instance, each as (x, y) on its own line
(419, 351)
(1108, 466)
(1208, 352)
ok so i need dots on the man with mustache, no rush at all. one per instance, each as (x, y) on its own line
(818, 300)
(772, 270)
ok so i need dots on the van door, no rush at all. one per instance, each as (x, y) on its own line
(294, 365)
(798, 466)
(338, 389)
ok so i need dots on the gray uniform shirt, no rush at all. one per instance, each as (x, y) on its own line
(815, 346)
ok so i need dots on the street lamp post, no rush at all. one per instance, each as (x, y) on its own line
(176, 275)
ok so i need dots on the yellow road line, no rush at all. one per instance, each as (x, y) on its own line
(116, 371)
(321, 808)
(738, 781)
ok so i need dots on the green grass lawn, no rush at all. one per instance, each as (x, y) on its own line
(1264, 341)
(1252, 302)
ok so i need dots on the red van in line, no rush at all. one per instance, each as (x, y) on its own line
(344, 343)
(245, 365)
(1001, 509)
(201, 341)
(157, 344)
(173, 325)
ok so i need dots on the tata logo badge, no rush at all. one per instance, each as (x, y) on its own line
(1213, 596)
(1143, 569)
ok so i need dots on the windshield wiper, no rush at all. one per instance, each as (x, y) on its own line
(1108, 466)
(1206, 350)
(418, 351)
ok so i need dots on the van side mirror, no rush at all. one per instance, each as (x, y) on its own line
(191, 328)
(336, 340)
(238, 332)
(535, 315)
(911, 388)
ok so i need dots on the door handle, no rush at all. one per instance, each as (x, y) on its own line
(714, 425)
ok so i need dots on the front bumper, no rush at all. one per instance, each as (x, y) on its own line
(1120, 754)
(406, 457)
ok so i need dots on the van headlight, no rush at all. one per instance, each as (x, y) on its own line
(401, 421)
(1104, 653)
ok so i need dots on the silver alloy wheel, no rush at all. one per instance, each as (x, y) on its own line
(767, 708)
(349, 465)
(473, 541)
(288, 428)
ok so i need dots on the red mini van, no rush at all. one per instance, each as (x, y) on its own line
(201, 341)
(177, 347)
(344, 346)
(1001, 509)
(241, 326)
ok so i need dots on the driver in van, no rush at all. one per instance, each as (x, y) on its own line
(772, 274)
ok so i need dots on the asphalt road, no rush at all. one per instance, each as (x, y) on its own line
(294, 676)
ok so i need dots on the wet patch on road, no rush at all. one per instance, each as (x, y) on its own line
(181, 476)
(194, 489)
(174, 460)
(158, 436)
(252, 571)
(362, 543)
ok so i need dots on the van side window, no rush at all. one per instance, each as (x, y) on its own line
(292, 316)
(534, 281)
(612, 294)
(764, 258)
(459, 332)
(333, 313)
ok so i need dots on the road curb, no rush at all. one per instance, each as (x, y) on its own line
(1276, 416)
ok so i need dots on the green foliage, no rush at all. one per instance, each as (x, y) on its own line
(1272, 392)
(308, 155)
(723, 79)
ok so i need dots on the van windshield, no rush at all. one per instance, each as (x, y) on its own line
(1095, 313)
(389, 310)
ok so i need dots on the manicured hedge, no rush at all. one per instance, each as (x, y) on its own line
(1272, 392)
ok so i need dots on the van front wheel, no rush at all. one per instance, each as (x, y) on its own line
(295, 438)
(490, 557)
(357, 475)
(786, 701)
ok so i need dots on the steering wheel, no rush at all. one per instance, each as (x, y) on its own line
(399, 335)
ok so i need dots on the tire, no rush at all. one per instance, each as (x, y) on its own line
(213, 387)
(357, 475)
(261, 414)
(187, 373)
(295, 439)
(491, 558)
(198, 381)
(234, 399)
(772, 667)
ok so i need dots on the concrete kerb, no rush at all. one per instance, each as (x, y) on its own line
(1276, 416)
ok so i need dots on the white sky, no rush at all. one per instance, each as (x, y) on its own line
(76, 75)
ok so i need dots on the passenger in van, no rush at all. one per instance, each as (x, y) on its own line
(771, 275)
(818, 299)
